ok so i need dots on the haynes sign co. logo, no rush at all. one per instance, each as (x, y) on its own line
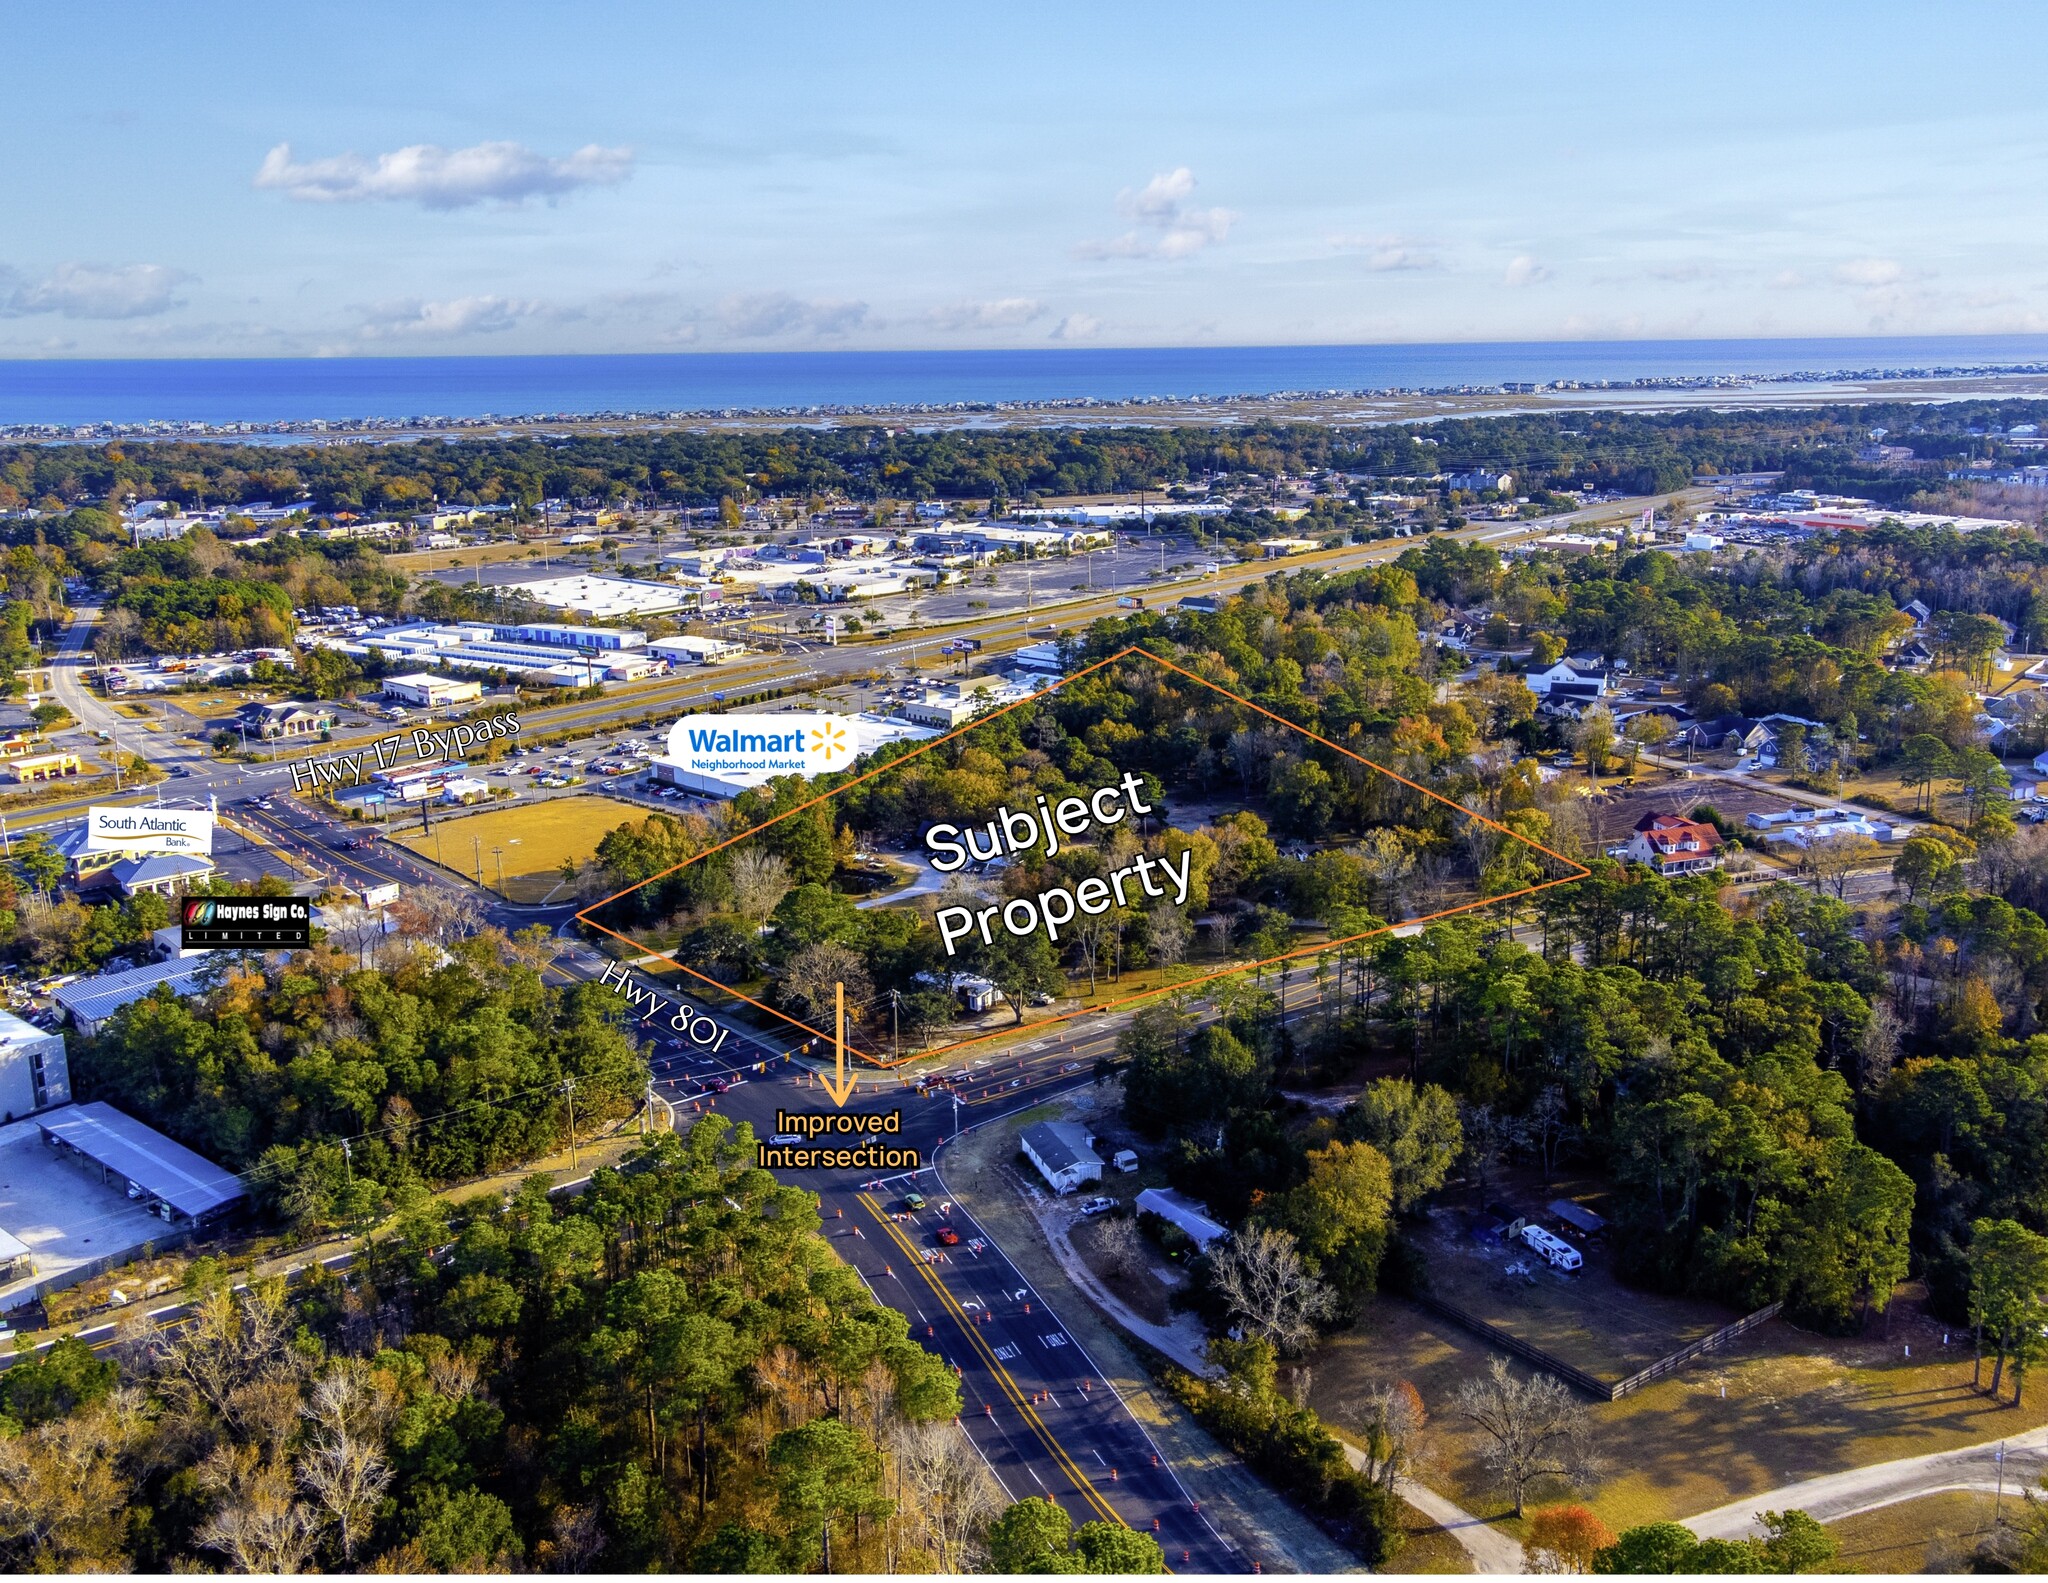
(791, 744)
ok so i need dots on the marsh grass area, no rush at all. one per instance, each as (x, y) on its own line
(1775, 1406)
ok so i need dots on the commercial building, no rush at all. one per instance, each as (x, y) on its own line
(1041, 658)
(170, 1181)
(91, 1001)
(473, 646)
(1806, 827)
(956, 703)
(33, 767)
(1273, 549)
(284, 720)
(606, 598)
(1063, 1153)
(691, 650)
(161, 873)
(34, 1073)
(431, 692)
(989, 539)
(16, 1259)
(551, 634)
(81, 866)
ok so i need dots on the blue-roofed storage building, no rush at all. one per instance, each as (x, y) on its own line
(91, 1001)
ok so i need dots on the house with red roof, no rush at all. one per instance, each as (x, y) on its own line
(1672, 844)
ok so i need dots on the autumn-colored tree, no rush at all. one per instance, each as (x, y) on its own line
(1563, 1539)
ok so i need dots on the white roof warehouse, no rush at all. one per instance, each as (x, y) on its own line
(178, 1184)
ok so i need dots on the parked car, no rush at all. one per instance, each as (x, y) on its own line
(1100, 1204)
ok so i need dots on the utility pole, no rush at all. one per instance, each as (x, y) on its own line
(569, 1086)
(476, 843)
(895, 1037)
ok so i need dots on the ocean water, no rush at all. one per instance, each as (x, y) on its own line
(297, 391)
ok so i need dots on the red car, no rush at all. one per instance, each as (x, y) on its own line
(949, 1237)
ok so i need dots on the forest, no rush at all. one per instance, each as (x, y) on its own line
(444, 1060)
(1630, 451)
(1793, 1100)
(668, 1372)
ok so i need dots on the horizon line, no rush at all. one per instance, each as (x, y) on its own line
(1057, 352)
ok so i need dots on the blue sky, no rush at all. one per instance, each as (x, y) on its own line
(381, 179)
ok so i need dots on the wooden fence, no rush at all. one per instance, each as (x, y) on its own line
(1595, 1387)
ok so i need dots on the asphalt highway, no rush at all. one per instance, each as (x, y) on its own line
(1033, 1402)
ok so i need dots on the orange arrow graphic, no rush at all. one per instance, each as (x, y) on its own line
(841, 1090)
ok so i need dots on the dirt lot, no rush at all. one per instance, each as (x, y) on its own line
(1147, 1294)
(1616, 811)
(1587, 1318)
(537, 839)
(1777, 1405)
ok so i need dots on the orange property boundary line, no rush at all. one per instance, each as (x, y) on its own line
(1578, 871)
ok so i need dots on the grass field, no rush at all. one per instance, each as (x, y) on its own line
(491, 554)
(1774, 1407)
(527, 843)
(1935, 1533)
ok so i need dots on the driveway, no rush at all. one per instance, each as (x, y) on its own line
(1836, 1495)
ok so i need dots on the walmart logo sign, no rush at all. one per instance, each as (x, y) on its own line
(784, 744)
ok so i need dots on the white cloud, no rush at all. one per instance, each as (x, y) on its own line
(1386, 254)
(1686, 274)
(1525, 271)
(98, 291)
(1870, 272)
(757, 314)
(1167, 225)
(1003, 313)
(1787, 280)
(414, 319)
(1077, 327)
(441, 178)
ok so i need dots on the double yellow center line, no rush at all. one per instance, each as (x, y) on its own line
(1017, 1397)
